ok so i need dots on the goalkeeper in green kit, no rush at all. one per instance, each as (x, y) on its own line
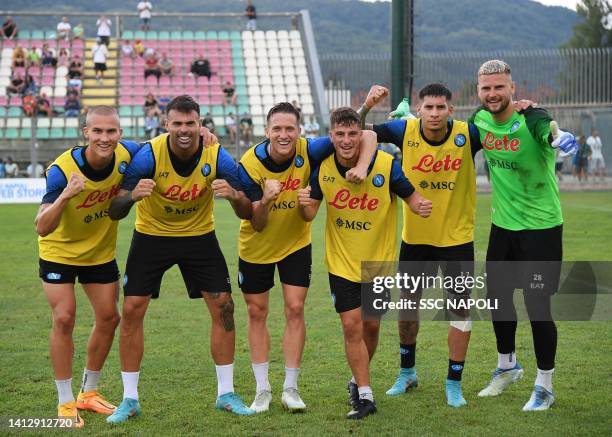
(526, 225)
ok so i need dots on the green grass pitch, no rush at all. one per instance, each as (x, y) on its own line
(178, 386)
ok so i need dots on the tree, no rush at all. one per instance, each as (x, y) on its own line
(595, 28)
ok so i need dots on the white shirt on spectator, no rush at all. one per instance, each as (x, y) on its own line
(63, 27)
(100, 52)
(596, 146)
(104, 27)
(39, 170)
(145, 9)
(12, 170)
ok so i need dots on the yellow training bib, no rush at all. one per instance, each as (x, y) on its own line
(445, 175)
(179, 206)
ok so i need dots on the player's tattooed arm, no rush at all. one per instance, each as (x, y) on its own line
(120, 206)
(50, 214)
(261, 208)
(307, 206)
(376, 95)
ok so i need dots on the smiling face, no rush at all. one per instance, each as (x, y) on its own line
(346, 138)
(495, 92)
(283, 131)
(184, 130)
(102, 132)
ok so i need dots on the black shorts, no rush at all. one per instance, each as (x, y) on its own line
(425, 259)
(105, 40)
(100, 66)
(558, 166)
(199, 258)
(348, 295)
(541, 251)
(294, 269)
(57, 273)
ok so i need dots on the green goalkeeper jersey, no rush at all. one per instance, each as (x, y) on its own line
(522, 167)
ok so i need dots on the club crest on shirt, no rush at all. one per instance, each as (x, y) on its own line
(378, 180)
(460, 140)
(206, 169)
(515, 126)
(122, 167)
(299, 161)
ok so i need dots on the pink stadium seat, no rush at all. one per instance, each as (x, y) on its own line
(14, 101)
(64, 44)
(9, 43)
(216, 100)
(34, 72)
(20, 70)
(164, 80)
(77, 44)
(3, 100)
(151, 81)
(48, 72)
(39, 43)
(139, 81)
(47, 81)
(58, 101)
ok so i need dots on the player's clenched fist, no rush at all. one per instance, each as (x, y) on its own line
(303, 196)
(420, 205)
(272, 189)
(223, 190)
(376, 95)
(143, 189)
(76, 184)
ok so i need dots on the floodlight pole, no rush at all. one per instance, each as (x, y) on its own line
(402, 50)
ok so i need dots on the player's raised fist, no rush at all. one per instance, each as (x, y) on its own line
(223, 190)
(208, 138)
(420, 205)
(76, 184)
(143, 189)
(376, 95)
(272, 189)
(303, 196)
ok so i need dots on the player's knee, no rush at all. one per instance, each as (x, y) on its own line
(353, 330)
(109, 320)
(257, 313)
(294, 310)
(63, 321)
(371, 326)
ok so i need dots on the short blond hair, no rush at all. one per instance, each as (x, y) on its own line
(101, 110)
(494, 66)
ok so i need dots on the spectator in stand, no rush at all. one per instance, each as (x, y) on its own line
(72, 106)
(33, 57)
(201, 67)
(44, 105)
(63, 59)
(2, 169)
(230, 125)
(297, 106)
(48, 56)
(144, 12)
(78, 31)
(64, 29)
(99, 52)
(167, 66)
(251, 15)
(11, 168)
(9, 28)
(139, 48)
(152, 67)
(208, 122)
(151, 104)
(75, 69)
(311, 128)
(246, 128)
(19, 57)
(17, 85)
(30, 84)
(28, 104)
(104, 29)
(151, 124)
(162, 102)
(40, 170)
(229, 90)
(127, 50)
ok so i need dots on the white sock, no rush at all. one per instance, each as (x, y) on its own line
(353, 380)
(260, 370)
(64, 391)
(130, 384)
(365, 392)
(291, 376)
(506, 361)
(90, 380)
(544, 379)
(225, 379)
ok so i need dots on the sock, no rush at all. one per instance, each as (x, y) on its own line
(506, 361)
(64, 391)
(407, 355)
(455, 369)
(353, 380)
(291, 376)
(365, 392)
(225, 379)
(130, 384)
(260, 370)
(90, 380)
(544, 379)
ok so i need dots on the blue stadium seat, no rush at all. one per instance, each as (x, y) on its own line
(72, 132)
(138, 111)
(217, 110)
(164, 34)
(57, 133)
(14, 111)
(151, 34)
(37, 34)
(25, 133)
(42, 133)
(24, 34)
(204, 109)
(211, 34)
(139, 34)
(176, 34)
(12, 133)
(188, 34)
(223, 35)
(127, 34)
(235, 36)
(125, 111)
(200, 35)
